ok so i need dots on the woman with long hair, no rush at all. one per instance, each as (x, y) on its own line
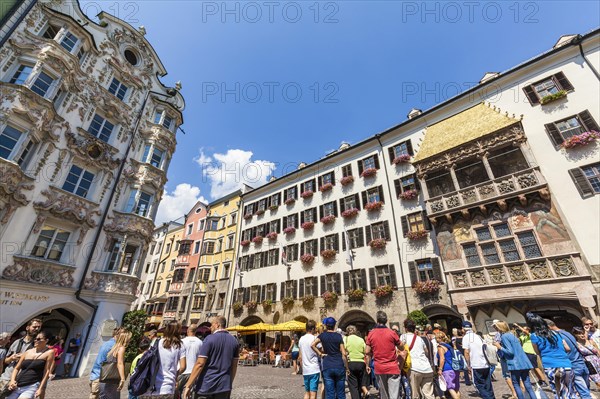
(445, 353)
(295, 352)
(502, 328)
(590, 353)
(112, 390)
(550, 347)
(172, 362)
(516, 360)
(30, 375)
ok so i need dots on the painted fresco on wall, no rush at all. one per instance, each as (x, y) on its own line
(548, 225)
(449, 249)
(519, 219)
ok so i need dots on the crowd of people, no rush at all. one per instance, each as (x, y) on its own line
(422, 362)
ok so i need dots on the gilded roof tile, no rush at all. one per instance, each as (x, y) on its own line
(468, 125)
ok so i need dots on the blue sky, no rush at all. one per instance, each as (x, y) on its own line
(269, 84)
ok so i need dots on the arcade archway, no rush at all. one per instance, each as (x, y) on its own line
(446, 317)
(361, 320)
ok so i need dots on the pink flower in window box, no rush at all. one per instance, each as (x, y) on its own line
(326, 187)
(257, 240)
(307, 258)
(369, 172)
(356, 295)
(248, 216)
(289, 230)
(378, 243)
(328, 253)
(383, 291)
(237, 307)
(290, 201)
(329, 296)
(308, 225)
(426, 287)
(272, 235)
(307, 194)
(347, 180)
(581, 139)
(251, 305)
(409, 195)
(328, 219)
(404, 158)
(245, 243)
(374, 206)
(260, 212)
(417, 235)
(349, 213)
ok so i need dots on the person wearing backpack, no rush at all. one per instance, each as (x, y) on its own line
(449, 364)
(421, 373)
(142, 348)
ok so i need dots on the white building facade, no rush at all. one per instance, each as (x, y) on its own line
(79, 100)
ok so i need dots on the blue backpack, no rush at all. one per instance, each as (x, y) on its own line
(144, 376)
(458, 361)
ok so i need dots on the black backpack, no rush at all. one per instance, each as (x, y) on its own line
(144, 376)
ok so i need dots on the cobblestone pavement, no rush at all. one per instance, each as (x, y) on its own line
(260, 382)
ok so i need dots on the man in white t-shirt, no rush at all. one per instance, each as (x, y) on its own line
(309, 360)
(476, 361)
(421, 373)
(192, 346)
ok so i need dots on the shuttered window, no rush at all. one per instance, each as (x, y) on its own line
(347, 170)
(564, 129)
(587, 179)
(425, 269)
(403, 148)
(548, 86)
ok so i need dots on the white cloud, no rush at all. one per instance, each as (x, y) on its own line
(177, 203)
(228, 172)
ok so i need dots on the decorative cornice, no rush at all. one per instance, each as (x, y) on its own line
(12, 184)
(144, 173)
(92, 150)
(130, 224)
(159, 134)
(69, 206)
(39, 271)
(112, 283)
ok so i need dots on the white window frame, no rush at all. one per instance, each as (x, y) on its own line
(18, 153)
(160, 118)
(90, 190)
(134, 203)
(101, 129)
(52, 241)
(33, 76)
(119, 86)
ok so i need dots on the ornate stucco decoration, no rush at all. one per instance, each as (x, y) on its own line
(92, 150)
(65, 205)
(112, 283)
(12, 184)
(39, 271)
(131, 224)
(158, 134)
(513, 135)
(144, 173)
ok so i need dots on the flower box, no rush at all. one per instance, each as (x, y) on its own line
(287, 302)
(245, 243)
(417, 235)
(328, 253)
(349, 213)
(374, 206)
(408, 195)
(248, 216)
(289, 230)
(257, 240)
(273, 207)
(328, 219)
(347, 180)
(260, 212)
(356, 295)
(582, 139)
(426, 287)
(251, 305)
(272, 235)
(326, 187)
(308, 300)
(369, 172)
(401, 159)
(267, 304)
(307, 225)
(329, 296)
(307, 194)
(378, 243)
(553, 97)
(237, 306)
(383, 291)
(307, 258)
(290, 201)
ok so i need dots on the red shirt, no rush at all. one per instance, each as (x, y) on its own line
(383, 342)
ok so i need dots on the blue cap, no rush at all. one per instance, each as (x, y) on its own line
(467, 324)
(329, 321)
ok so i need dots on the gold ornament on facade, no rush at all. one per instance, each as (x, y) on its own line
(478, 279)
(539, 270)
(563, 267)
(497, 275)
(517, 273)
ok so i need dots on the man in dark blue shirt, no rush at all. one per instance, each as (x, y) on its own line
(216, 364)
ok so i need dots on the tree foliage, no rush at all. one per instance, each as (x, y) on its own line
(418, 317)
(135, 322)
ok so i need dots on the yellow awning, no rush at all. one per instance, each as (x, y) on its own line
(292, 325)
(468, 125)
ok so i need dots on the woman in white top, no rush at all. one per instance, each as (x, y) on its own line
(172, 362)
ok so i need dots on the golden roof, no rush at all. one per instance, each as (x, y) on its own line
(466, 126)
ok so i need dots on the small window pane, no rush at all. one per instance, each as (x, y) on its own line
(21, 75)
(501, 230)
(592, 172)
(472, 255)
(490, 254)
(509, 250)
(483, 234)
(69, 41)
(8, 140)
(529, 245)
(42, 84)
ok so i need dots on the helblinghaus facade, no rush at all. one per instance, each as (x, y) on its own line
(77, 100)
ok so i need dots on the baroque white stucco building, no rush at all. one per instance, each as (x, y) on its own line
(87, 131)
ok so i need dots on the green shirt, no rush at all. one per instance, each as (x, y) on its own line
(527, 345)
(355, 346)
(134, 363)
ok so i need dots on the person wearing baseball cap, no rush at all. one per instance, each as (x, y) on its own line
(335, 359)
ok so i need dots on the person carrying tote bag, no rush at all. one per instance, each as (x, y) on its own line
(112, 373)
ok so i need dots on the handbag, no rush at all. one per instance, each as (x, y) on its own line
(442, 383)
(109, 373)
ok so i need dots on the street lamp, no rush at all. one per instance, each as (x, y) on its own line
(170, 93)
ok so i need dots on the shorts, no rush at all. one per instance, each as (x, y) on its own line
(295, 355)
(311, 382)
(69, 358)
(26, 392)
(452, 379)
(533, 359)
